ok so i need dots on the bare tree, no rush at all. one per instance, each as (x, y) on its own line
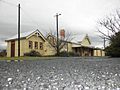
(110, 25)
(51, 37)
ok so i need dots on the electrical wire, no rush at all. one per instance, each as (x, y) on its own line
(32, 20)
(28, 15)
(9, 3)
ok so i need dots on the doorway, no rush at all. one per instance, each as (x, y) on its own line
(12, 48)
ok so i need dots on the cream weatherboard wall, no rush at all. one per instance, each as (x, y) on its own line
(67, 47)
(70, 47)
(8, 49)
(24, 46)
(99, 53)
(86, 41)
(48, 49)
(34, 39)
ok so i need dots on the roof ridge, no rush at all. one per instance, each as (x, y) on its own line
(22, 35)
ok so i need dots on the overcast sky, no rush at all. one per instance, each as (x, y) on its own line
(77, 16)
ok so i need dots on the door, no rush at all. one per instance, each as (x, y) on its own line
(12, 48)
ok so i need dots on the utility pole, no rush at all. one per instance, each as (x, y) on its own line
(18, 30)
(104, 42)
(57, 33)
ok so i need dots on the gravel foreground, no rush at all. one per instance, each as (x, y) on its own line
(70, 73)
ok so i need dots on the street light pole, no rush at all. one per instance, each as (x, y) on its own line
(18, 30)
(104, 42)
(57, 33)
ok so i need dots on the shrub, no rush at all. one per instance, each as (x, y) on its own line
(33, 53)
(63, 54)
(113, 51)
(114, 48)
(67, 54)
(73, 54)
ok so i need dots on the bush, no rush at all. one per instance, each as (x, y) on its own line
(66, 54)
(3, 53)
(114, 48)
(32, 53)
(63, 54)
(113, 51)
(73, 54)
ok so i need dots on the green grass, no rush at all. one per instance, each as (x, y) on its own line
(14, 58)
(39, 58)
(25, 58)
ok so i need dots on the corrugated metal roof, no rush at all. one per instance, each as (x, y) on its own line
(22, 35)
(78, 38)
(25, 34)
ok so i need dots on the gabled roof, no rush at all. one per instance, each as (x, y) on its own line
(87, 37)
(25, 35)
(50, 35)
(78, 38)
(79, 45)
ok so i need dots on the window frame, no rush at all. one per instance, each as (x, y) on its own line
(36, 45)
(30, 45)
(41, 45)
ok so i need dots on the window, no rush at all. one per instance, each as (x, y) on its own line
(41, 45)
(36, 45)
(30, 44)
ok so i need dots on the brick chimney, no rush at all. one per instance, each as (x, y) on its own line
(62, 34)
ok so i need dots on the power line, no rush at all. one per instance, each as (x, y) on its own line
(9, 3)
(31, 18)
(28, 15)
